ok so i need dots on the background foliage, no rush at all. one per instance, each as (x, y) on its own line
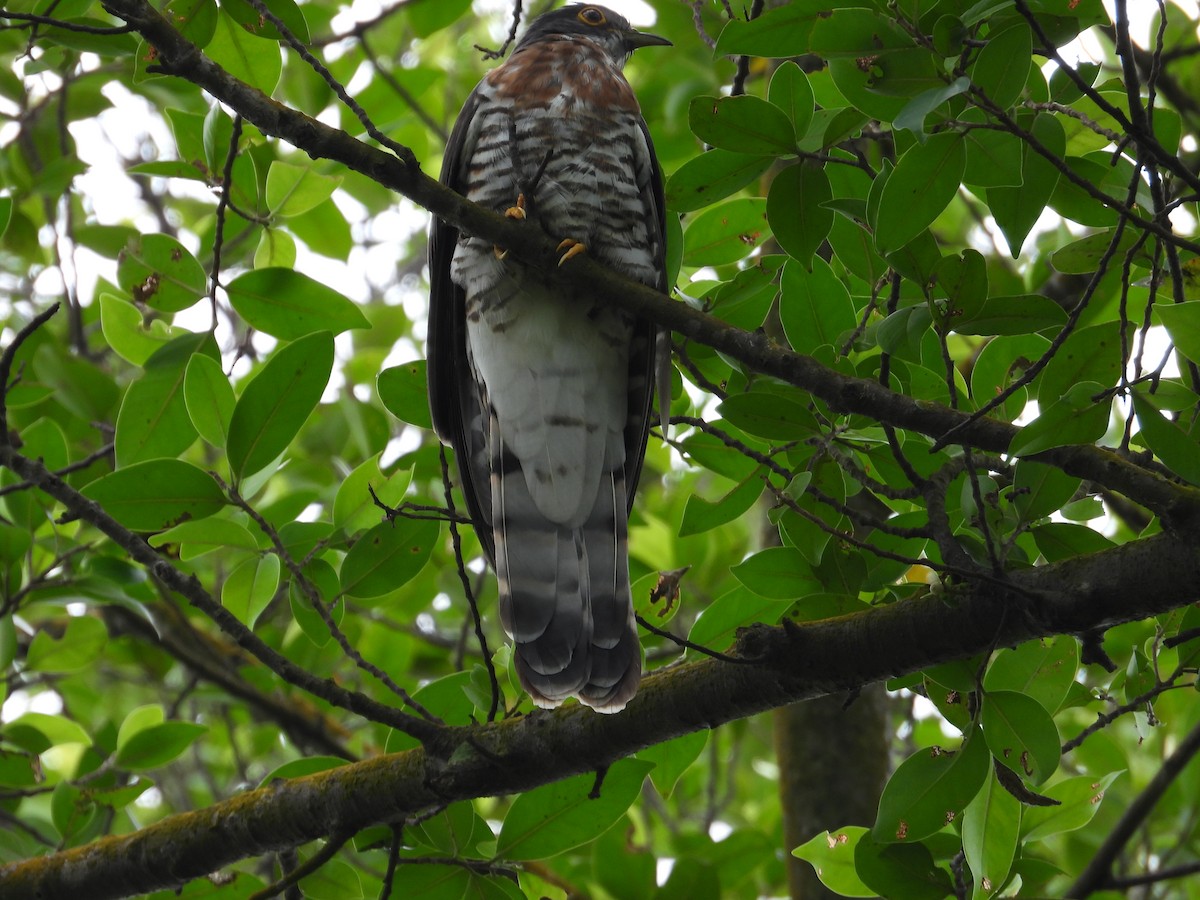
(923, 195)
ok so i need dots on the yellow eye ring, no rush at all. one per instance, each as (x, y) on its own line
(589, 15)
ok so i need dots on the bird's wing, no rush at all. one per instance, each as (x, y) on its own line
(454, 400)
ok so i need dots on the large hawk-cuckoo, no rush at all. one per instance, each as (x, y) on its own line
(545, 393)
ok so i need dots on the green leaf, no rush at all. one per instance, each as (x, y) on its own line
(37, 732)
(713, 176)
(1079, 799)
(402, 390)
(1017, 209)
(246, 15)
(925, 180)
(1177, 449)
(672, 758)
(250, 588)
(700, 515)
(716, 627)
(153, 422)
(1021, 314)
(900, 871)
(1075, 419)
(743, 124)
(194, 539)
(794, 208)
(917, 110)
(778, 573)
(769, 416)
(1021, 734)
(831, 854)
(1002, 67)
(815, 308)
(158, 271)
(75, 649)
(726, 233)
(1062, 540)
(324, 579)
(1042, 669)
(128, 333)
(1182, 321)
(277, 403)
(1082, 257)
(1039, 490)
(139, 719)
(292, 190)
(158, 745)
(556, 817)
(353, 507)
(1090, 354)
(930, 789)
(288, 305)
(791, 92)
(156, 494)
(991, 824)
(779, 32)
(388, 556)
(244, 56)
(276, 248)
(209, 398)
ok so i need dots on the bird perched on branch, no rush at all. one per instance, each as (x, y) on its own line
(544, 392)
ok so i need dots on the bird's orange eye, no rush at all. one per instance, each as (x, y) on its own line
(589, 15)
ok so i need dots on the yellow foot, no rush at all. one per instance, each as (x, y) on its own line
(572, 247)
(518, 211)
(513, 212)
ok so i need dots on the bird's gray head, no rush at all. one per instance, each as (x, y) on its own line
(598, 24)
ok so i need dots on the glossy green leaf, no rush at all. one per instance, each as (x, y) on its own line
(1017, 209)
(209, 398)
(672, 758)
(127, 331)
(831, 854)
(1042, 669)
(1039, 490)
(322, 577)
(899, 871)
(1002, 67)
(75, 649)
(158, 271)
(1021, 314)
(779, 32)
(930, 789)
(154, 495)
(1021, 734)
(354, 508)
(248, 16)
(778, 573)
(1079, 800)
(556, 817)
(1075, 419)
(726, 233)
(794, 208)
(37, 732)
(288, 304)
(717, 626)
(1089, 354)
(205, 535)
(791, 92)
(251, 587)
(815, 308)
(713, 176)
(244, 56)
(1062, 540)
(158, 745)
(917, 110)
(921, 186)
(743, 124)
(292, 190)
(277, 402)
(153, 422)
(991, 826)
(700, 515)
(403, 391)
(388, 556)
(1177, 449)
(1182, 321)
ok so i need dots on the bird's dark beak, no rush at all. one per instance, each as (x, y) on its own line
(635, 40)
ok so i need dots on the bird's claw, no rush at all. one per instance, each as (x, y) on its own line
(572, 249)
(517, 212)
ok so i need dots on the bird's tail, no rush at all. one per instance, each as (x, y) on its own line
(564, 594)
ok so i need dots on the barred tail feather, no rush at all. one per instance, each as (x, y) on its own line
(564, 594)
